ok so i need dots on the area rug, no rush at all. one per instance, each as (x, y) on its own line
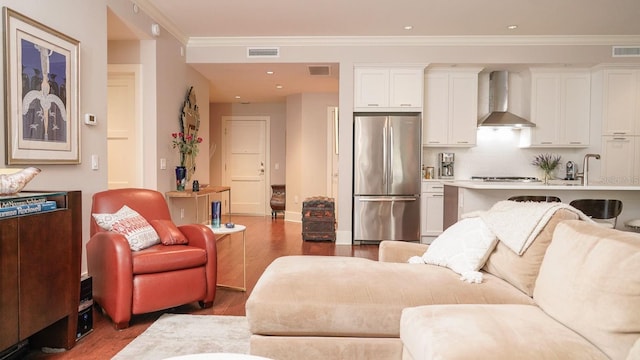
(179, 334)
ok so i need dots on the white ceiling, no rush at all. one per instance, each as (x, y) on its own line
(251, 18)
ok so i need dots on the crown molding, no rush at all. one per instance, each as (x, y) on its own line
(595, 40)
(155, 14)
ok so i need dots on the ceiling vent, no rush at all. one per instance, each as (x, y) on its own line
(319, 70)
(626, 51)
(262, 52)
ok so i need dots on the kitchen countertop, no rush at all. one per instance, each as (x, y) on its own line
(554, 185)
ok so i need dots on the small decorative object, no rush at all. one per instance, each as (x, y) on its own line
(13, 180)
(181, 177)
(187, 140)
(42, 117)
(216, 208)
(548, 163)
(196, 186)
(229, 225)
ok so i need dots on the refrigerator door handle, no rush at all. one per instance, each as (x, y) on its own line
(384, 156)
(388, 199)
(390, 161)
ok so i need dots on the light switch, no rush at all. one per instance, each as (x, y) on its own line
(95, 163)
(163, 164)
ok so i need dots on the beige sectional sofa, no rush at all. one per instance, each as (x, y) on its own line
(574, 294)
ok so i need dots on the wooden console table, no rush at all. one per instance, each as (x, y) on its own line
(196, 195)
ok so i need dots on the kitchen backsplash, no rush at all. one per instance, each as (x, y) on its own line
(497, 154)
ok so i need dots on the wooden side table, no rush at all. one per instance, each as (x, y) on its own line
(196, 195)
(224, 231)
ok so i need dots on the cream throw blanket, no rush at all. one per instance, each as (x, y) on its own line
(516, 224)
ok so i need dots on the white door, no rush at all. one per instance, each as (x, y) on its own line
(123, 129)
(245, 143)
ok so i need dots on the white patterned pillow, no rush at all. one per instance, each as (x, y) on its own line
(126, 221)
(463, 247)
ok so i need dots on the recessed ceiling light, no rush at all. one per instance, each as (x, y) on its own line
(237, 96)
(512, 27)
(408, 27)
(278, 86)
(270, 72)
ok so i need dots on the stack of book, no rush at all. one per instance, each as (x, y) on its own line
(18, 207)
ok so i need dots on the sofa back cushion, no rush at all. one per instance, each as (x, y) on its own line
(590, 282)
(522, 271)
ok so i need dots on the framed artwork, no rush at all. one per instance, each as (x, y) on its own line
(42, 123)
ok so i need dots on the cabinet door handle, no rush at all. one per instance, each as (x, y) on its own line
(619, 138)
(373, 105)
(546, 142)
(575, 142)
(405, 105)
(462, 142)
(438, 195)
(619, 133)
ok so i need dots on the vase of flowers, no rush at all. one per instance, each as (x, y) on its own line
(187, 146)
(547, 163)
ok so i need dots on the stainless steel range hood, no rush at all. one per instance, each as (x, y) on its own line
(499, 104)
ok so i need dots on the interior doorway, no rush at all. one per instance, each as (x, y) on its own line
(245, 159)
(124, 127)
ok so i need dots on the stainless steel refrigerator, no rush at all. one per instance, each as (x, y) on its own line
(386, 163)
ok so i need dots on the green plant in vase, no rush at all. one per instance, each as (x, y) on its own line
(548, 163)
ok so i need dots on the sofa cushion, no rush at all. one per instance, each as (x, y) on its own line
(462, 332)
(161, 258)
(521, 271)
(345, 296)
(590, 281)
(168, 232)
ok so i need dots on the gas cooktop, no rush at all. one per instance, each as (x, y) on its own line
(505, 178)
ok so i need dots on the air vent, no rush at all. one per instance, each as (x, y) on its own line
(319, 70)
(253, 52)
(626, 51)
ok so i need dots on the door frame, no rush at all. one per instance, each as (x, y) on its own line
(267, 155)
(136, 71)
(332, 152)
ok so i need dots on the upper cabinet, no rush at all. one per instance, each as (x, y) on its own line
(388, 88)
(621, 103)
(560, 108)
(451, 107)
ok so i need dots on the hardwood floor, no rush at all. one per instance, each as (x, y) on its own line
(267, 240)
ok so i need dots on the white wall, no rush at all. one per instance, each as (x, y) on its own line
(86, 21)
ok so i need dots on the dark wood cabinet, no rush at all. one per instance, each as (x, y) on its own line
(40, 258)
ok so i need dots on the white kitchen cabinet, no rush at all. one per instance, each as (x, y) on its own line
(432, 210)
(621, 160)
(621, 102)
(388, 88)
(560, 108)
(450, 108)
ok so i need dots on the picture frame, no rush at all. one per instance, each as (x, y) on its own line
(42, 120)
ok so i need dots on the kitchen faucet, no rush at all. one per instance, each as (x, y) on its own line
(585, 168)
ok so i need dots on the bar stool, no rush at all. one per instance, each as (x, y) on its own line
(536, 198)
(604, 210)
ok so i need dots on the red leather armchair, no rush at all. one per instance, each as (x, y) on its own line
(129, 282)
